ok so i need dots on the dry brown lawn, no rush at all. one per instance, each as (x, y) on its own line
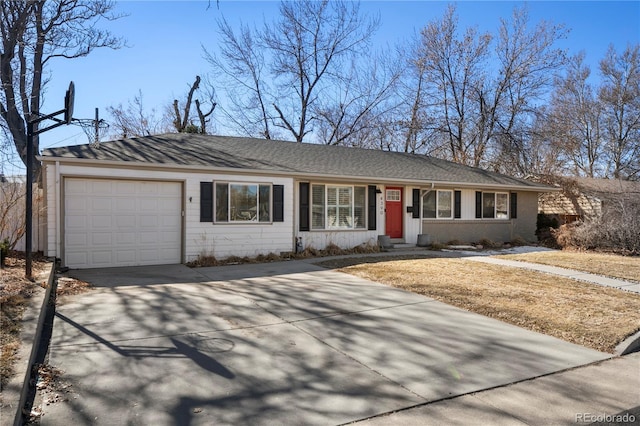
(611, 265)
(586, 314)
(15, 292)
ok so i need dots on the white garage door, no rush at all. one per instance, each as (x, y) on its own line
(121, 223)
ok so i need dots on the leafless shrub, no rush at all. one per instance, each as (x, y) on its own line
(12, 220)
(616, 230)
(487, 243)
(331, 250)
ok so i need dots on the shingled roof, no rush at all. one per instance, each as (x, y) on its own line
(289, 158)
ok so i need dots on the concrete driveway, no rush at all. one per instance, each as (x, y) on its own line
(279, 343)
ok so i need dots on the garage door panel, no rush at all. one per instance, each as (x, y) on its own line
(76, 187)
(125, 188)
(126, 256)
(148, 205)
(168, 237)
(102, 204)
(101, 186)
(125, 238)
(76, 239)
(100, 221)
(122, 223)
(125, 204)
(125, 221)
(77, 258)
(102, 257)
(101, 239)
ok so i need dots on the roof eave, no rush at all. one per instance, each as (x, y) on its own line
(296, 175)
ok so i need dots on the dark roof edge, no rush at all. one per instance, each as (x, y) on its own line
(300, 176)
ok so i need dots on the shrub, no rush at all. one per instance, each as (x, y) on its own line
(617, 230)
(487, 243)
(518, 241)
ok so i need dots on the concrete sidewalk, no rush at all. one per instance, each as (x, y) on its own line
(603, 393)
(279, 343)
(564, 272)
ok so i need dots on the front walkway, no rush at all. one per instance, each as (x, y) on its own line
(568, 273)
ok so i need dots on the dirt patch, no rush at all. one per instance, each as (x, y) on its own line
(609, 265)
(52, 389)
(589, 315)
(68, 286)
(15, 292)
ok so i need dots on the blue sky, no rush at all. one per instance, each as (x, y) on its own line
(165, 39)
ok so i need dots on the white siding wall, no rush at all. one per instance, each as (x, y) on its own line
(226, 239)
(412, 227)
(220, 240)
(344, 239)
(468, 206)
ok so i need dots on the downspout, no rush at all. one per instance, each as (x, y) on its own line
(58, 208)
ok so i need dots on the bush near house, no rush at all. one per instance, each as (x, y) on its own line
(616, 230)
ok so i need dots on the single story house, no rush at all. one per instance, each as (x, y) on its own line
(170, 198)
(585, 198)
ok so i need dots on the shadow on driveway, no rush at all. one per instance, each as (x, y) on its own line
(280, 343)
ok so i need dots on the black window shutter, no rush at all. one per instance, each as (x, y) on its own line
(371, 208)
(416, 204)
(478, 205)
(514, 205)
(278, 203)
(206, 201)
(457, 204)
(304, 206)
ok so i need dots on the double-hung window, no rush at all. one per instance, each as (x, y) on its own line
(338, 207)
(495, 205)
(437, 204)
(242, 202)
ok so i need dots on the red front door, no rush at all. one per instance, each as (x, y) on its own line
(393, 206)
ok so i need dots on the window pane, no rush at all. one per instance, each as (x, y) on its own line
(429, 205)
(345, 196)
(444, 204)
(222, 202)
(502, 202)
(488, 204)
(317, 207)
(332, 216)
(243, 204)
(345, 219)
(332, 196)
(393, 195)
(359, 206)
(264, 203)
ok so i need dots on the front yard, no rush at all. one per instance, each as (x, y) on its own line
(611, 265)
(586, 314)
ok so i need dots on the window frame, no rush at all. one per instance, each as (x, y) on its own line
(315, 208)
(256, 220)
(437, 206)
(504, 214)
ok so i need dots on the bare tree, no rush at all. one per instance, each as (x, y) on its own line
(479, 112)
(135, 120)
(182, 119)
(619, 97)
(242, 67)
(361, 97)
(310, 44)
(575, 119)
(296, 72)
(33, 33)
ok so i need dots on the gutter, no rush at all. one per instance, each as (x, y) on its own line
(297, 175)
